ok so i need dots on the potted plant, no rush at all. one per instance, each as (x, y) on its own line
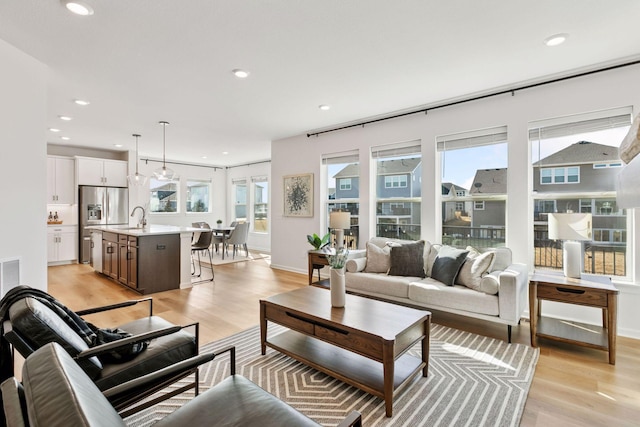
(219, 222)
(317, 242)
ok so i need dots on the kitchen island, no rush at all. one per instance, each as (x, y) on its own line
(151, 259)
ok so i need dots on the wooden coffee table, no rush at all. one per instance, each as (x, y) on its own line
(363, 344)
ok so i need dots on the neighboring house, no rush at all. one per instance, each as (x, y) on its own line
(347, 182)
(582, 167)
(454, 210)
(397, 180)
(488, 213)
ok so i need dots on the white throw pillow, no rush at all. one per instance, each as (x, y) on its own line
(378, 259)
(490, 284)
(474, 269)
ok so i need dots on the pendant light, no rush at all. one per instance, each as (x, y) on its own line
(137, 179)
(164, 173)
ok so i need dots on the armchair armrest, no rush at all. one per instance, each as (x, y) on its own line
(354, 419)
(118, 305)
(171, 370)
(512, 296)
(357, 253)
(104, 348)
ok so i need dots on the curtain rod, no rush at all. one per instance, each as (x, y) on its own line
(248, 164)
(183, 164)
(476, 98)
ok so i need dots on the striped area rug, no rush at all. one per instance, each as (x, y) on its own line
(473, 381)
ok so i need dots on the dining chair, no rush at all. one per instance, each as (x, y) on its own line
(238, 237)
(202, 243)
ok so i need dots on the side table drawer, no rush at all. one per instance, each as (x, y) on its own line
(573, 296)
(289, 320)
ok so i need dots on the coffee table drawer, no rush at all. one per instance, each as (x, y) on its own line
(352, 341)
(574, 296)
(288, 319)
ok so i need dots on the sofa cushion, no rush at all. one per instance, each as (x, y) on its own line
(447, 264)
(408, 260)
(432, 293)
(378, 259)
(475, 267)
(502, 259)
(356, 265)
(380, 283)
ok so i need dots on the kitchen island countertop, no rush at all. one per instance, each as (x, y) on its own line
(149, 230)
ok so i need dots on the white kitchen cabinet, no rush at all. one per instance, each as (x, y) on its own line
(101, 172)
(62, 243)
(61, 186)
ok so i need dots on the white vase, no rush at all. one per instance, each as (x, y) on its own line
(337, 287)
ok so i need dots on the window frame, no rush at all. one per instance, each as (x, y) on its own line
(553, 175)
(153, 189)
(390, 180)
(209, 195)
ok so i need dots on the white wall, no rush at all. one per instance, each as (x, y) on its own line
(300, 154)
(23, 164)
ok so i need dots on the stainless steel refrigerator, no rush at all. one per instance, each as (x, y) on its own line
(100, 206)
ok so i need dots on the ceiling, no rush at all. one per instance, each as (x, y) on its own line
(142, 61)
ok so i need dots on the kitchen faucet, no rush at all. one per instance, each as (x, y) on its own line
(143, 220)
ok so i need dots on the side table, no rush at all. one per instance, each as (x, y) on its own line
(589, 290)
(317, 258)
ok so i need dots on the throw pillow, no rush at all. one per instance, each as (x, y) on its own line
(490, 284)
(378, 259)
(407, 260)
(475, 267)
(447, 264)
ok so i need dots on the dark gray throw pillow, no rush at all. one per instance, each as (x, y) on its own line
(408, 260)
(448, 264)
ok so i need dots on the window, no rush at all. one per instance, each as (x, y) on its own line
(474, 163)
(569, 175)
(345, 184)
(240, 199)
(342, 186)
(198, 194)
(260, 204)
(163, 196)
(581, 150)
(398, 190)
(395, 181)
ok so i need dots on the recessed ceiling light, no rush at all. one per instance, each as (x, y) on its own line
(204, 157)
(77, 7)
(65, 138)
(117, 145)
(556, 39)
(65, 118)
(324, 107)
(81, 102)
(241, 74)
(225, 152)
(54, 130)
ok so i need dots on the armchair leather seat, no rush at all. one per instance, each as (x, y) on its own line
(236, 401)
(160, 352)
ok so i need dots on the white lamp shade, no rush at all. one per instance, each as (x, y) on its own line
(340, 220)
(570, 226)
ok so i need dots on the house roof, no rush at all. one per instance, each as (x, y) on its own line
(352, 169)
(581, 152)
(391, 167)
(448, 186)
(490, 181)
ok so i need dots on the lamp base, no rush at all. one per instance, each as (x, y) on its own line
(572, 259)
(339, 238)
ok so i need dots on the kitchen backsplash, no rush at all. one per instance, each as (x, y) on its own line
(68, 214)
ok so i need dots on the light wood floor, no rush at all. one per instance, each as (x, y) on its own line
(572, 386)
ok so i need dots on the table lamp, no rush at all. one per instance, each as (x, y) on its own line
(572, 228)
(339, 221)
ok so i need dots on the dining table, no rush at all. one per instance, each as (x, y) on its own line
(223, 232)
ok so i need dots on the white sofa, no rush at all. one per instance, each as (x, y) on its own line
(503, 303)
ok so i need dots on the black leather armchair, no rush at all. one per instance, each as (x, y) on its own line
(30, 325)
(56, 392)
